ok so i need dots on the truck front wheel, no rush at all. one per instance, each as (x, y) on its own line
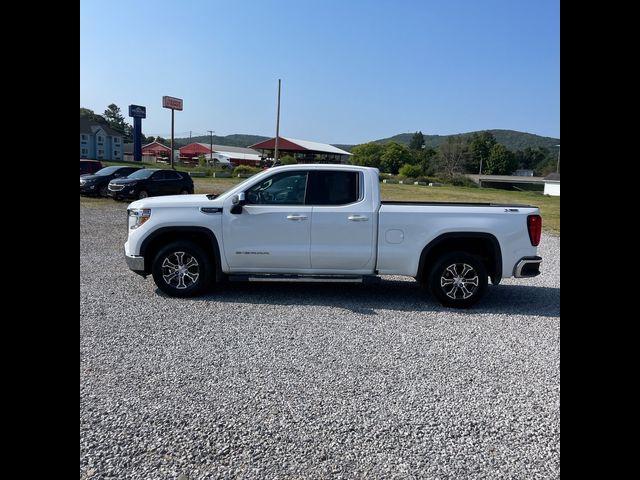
(458, 280)
(181, 269)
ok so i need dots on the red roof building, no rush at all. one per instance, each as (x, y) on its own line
(194, 149)
(303, 151)
(235, 155)
(156, 149)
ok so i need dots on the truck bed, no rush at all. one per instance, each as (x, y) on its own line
(458, 204)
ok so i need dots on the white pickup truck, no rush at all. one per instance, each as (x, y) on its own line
(327, 223)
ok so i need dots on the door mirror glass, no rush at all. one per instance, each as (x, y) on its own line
(238, 199)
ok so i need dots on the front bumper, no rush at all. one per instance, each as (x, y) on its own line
(123, 194)
(527, 267)
(88, 190)
(136, 264)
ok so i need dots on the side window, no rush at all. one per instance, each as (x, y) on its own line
(287, 188)
(333, 187)
(171, 175)
(159, 175)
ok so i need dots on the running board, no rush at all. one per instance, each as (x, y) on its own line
(305, 278)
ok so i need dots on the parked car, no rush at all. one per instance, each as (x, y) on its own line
(151, 182)
(97, 183)
(88, 167)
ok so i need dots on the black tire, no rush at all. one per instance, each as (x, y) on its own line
(143, 194)
(458, 280)
(103, 191)
(181, 269)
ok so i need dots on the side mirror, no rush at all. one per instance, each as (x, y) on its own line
(238, 200)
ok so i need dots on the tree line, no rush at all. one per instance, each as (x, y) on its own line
(478, 154)
(112, 117)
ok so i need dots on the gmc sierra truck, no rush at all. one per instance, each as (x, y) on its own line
(327, 223)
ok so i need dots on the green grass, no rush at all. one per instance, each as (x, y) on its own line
(214, 185)
(549, 206)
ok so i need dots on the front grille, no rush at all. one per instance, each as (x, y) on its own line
(115, 188)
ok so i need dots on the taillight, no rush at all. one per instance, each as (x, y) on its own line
(534, 225)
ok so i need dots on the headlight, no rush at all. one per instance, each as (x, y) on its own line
(137, 216)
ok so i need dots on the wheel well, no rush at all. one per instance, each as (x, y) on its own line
(202, 237)
(482, 245)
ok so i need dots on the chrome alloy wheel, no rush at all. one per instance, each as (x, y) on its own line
(180, 270)
(459, 281)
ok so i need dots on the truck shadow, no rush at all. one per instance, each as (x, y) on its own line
(404, 296)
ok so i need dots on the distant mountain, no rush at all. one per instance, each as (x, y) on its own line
(235, 140)
(511, 139)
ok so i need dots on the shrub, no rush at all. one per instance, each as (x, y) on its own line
(287, 160)
(423, 178)
(461, 181)
(245, 169)
(410, 171)
(385, 176)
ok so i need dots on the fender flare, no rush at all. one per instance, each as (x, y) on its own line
(185, 229)
(493, 241)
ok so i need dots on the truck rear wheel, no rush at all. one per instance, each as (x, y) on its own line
(181, 269)
(458, 280)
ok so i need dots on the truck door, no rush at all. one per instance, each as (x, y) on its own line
(343, 222)
(273, 232)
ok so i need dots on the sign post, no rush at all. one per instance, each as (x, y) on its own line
(138, 112)
(173, 104)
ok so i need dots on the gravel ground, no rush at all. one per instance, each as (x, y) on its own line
(312, 381)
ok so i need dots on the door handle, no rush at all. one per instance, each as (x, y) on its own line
(296, 218)
(358, 218)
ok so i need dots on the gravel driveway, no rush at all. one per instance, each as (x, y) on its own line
(312, 380)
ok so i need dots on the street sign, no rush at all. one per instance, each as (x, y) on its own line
(172, 103)
(137, 111)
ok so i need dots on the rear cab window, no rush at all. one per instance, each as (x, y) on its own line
(333, 187)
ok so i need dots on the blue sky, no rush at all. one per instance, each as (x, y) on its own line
(352, 70)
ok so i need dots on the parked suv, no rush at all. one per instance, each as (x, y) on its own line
(151, 182)
(88, 167)
(97, 184)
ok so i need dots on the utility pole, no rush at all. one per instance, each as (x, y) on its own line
(174, 104)
(275, 155)
(189, 136)
(172, 113)
(210, 146)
